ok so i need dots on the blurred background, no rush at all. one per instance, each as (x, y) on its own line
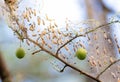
(37, 68)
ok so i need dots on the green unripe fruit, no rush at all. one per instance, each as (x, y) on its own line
(81, 53)
(20, 53)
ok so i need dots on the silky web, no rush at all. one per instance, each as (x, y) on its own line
(63, 40)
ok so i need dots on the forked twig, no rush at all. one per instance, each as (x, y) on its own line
(67, 43)
(87, 32)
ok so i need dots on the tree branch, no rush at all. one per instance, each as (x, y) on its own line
(101, 26)
(56, 55)
(66, 63)
(107, 68)
(36, 51)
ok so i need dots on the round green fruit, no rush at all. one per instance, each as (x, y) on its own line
(81, 53)
(20, 53)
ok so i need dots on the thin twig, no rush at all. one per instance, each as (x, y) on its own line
(101, 26)
(63, 68)
(36, 51)
(107, 68)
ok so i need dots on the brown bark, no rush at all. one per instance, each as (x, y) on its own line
(4, 74)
